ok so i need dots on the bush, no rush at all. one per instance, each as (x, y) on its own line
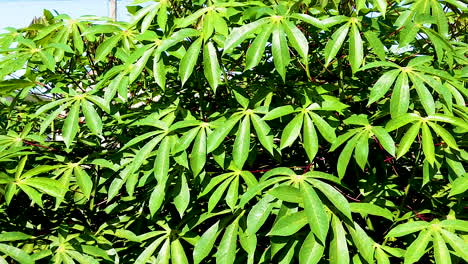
(237, 132)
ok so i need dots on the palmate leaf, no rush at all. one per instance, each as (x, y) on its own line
(257, 48)
(315, 212)
(280, 50)
(187, 64)
(335, 43)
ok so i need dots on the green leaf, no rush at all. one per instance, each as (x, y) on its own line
(315, 211)
(444, 134)
(241, 33)
(217, 194)
(356, 49)
(289, 224)
(335, 43)
(211, 65)
(259, 214)
(297, 39)
(424, 95)
(384, 139)
(84, 181)
(219, 134)
(310, 140)
(291, 131)
(417, 249)
(144, 152)
(382, 85)
(157, 198)
(459, 225)
(161, 163)
(70, 126)
(441, 252)
(459, 186)
(345, 156)
(361, 151)
(263, 133)
(324, 128)
(140, 65)
(241, 146)
(278, 112)
(187, 138)
(280, 51)
(159, 71)
(286, 193)
(368, 208)
(400, 99)
(374, 42)
(188, 62)
(335, 197)
(232, 193)
(256, 50)
(46, 185)
(205, 243)
(428, 144)
(400, 121)
(311, 251)
(13, 236)
(408, 139)
(177, 253)
(182, 200)
(148, 252)
(16, 254)
(106, 47)
(338, 250)
(226, 253)
(93, 121)
(457, 243)
(407, 228)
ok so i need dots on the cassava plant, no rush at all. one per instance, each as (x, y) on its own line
(218, 131)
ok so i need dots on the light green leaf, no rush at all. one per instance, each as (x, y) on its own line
(441, 252)
(368, 208)
(188, 62)
(205, 243)
(315, 212)
(241, 33)
(338, 250)
(148, 252)
(310, 140)
(382, 85)
(375, 43)
(335, 43)
(335, 197)
(417, 249)
(345, 156)
(241, 146)
(356, 49)
(263, 133)
(83, 180)
(16, 254)
(289, 224)
(291, 131)
(93, 121)
(226, 253)
(457, 243)
(297, 39)
(177, 253)
(211, 65)
(324, 128)
(408, 139)
(46, 185)
(70, 126)
(400, 99)
(259, 214)
(428, 144)
(157, 198)
(256, 50)
(361, 151)
(106, 47)
(384, 139)
(161, 163)
(280, 51)
(407, 228)
(311, 251)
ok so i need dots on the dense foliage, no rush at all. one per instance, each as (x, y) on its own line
(237, 132)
